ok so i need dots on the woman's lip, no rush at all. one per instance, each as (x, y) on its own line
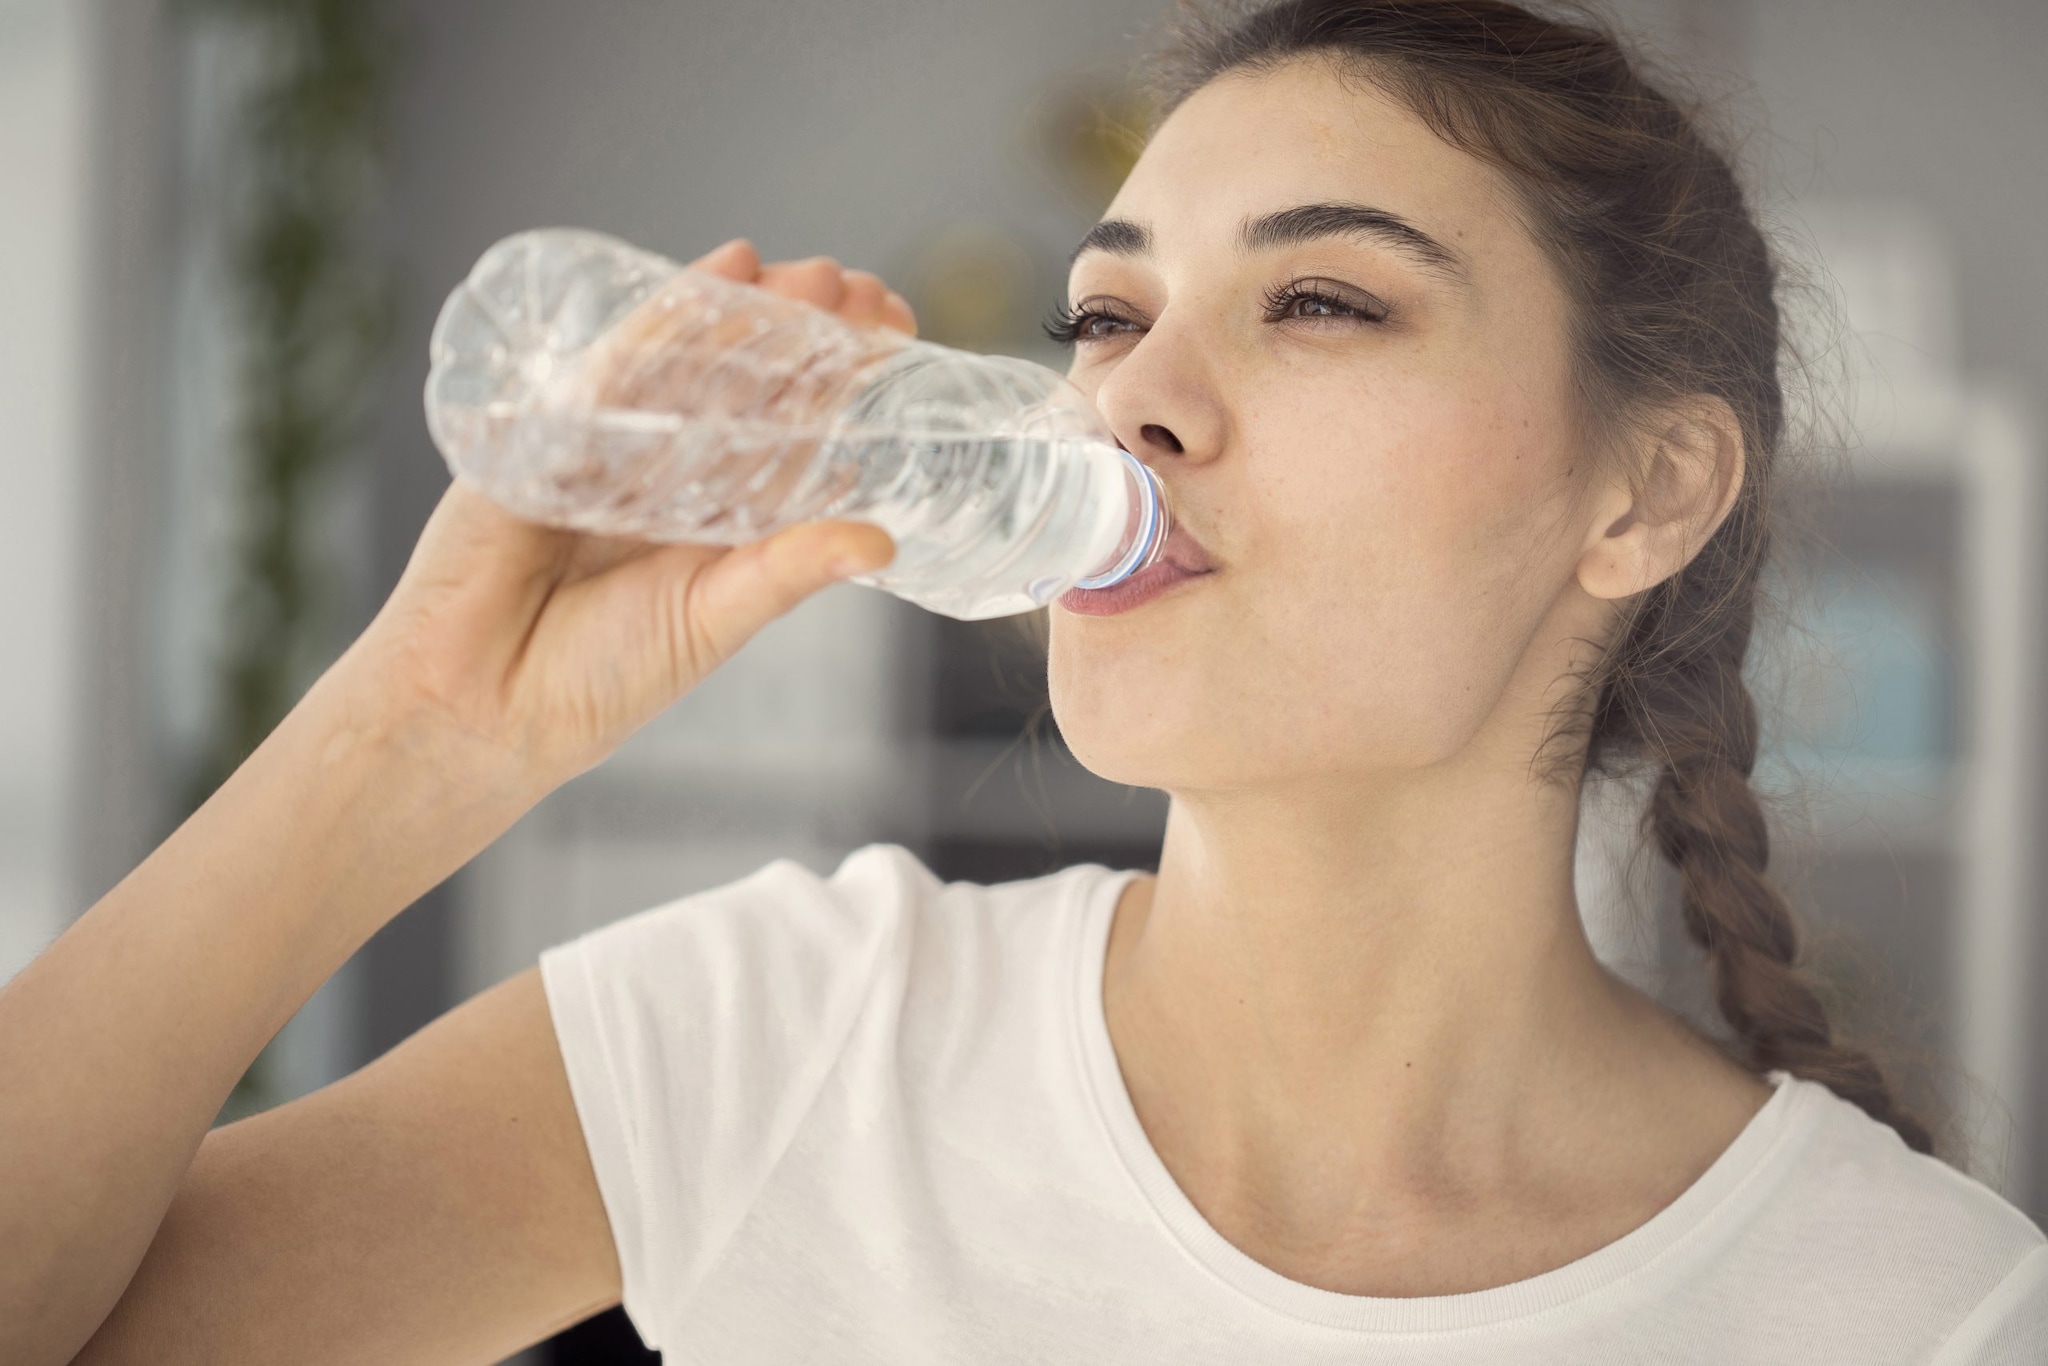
(1143, 586)
(1185, 552)
(1182, 558)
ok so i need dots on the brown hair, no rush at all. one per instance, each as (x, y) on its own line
(1674, 292)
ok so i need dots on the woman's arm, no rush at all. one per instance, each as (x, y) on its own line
(437, 1206)
(509, 658)
(121, 1042)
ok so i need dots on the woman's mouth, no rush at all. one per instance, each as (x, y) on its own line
(1182, 558)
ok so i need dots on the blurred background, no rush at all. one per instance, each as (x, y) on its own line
(227, 227)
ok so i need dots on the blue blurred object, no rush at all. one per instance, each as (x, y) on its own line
(1891, 700)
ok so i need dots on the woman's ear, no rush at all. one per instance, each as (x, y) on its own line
(1652, 518)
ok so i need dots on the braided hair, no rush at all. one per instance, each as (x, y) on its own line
(1673, 293)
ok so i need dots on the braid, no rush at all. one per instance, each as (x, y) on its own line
(1707, 822)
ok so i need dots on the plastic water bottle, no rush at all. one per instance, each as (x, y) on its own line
(582, 382)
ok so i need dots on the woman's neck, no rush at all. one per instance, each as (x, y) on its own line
(1343, 1012)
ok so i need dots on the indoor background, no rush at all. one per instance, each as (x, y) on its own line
(227, 225)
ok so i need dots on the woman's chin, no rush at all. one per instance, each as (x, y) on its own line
(1121, 767)
(1134, 715)
(1135, 748)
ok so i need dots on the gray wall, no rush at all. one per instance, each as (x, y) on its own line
(1945, 106)
(43, 73)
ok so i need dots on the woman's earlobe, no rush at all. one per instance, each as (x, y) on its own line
(1613, 545)
(1611, 574)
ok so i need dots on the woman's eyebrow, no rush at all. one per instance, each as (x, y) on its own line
(1117, 236)
(1302, 223)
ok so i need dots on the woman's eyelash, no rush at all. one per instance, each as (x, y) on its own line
(1067, 325)
(1359, 305)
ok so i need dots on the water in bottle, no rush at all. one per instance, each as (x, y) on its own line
(585, 383)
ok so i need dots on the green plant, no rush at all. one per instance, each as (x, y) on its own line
(314, 303)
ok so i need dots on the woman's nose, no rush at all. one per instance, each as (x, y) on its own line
(1155, 435)
(1159, 403)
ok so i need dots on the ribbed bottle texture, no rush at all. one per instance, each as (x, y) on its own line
(585, 383)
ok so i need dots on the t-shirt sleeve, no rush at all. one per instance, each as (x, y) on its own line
(2010, 1326)
(696, 1036)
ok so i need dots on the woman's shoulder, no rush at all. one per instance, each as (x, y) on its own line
(1862, 1207)
(1860, 1167)
(875, 880)
(788, 925)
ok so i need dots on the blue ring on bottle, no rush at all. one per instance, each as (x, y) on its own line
(1146, 543)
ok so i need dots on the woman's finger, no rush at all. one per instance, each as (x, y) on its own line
(816, 280)
(735, 260)
(864, 298)
(896, 313)
(859, 296)
(734, 596)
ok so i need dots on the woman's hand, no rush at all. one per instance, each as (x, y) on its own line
(545, 648)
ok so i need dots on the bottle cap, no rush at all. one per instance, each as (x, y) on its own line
(1152, 522)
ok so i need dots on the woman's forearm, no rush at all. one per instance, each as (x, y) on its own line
(119, 1044)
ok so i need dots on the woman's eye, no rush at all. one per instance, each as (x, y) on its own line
(1296, 301)
(1304, 301)
(1314, 305)
(1068, 325)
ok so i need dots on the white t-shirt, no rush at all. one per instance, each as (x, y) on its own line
(877, 1118)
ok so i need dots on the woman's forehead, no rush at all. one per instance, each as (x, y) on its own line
(1249, 144)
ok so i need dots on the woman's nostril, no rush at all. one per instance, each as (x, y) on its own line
(1153, 432)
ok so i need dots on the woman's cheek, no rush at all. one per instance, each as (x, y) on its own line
(1396, 613)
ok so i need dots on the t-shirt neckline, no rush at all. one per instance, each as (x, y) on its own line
(1764, 1146)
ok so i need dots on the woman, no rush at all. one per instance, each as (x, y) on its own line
(1455, 347)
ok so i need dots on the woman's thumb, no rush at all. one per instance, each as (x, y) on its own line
(744, 590)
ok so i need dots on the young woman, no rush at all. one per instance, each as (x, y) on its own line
(1455, 346)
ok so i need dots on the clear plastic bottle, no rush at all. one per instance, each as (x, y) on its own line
(583, 382)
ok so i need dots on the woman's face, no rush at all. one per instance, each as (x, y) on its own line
(1388, 486)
